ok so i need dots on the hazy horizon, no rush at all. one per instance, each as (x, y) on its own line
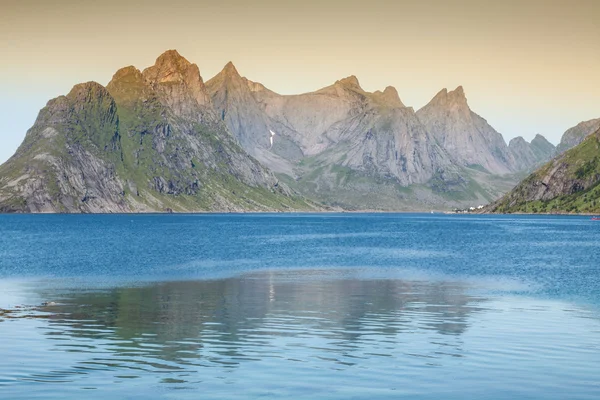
(527, 67)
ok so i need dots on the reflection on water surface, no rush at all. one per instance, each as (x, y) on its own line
(300, 334)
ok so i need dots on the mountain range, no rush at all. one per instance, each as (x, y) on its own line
(162, 139)
(570, 183)
(347, 147)
(149, 141)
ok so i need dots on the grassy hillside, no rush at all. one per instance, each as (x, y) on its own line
(568, 184)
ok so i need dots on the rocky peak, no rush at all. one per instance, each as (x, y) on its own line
(529, 154)
(439, 98)
(445, 98)
(518, 141)
(390, 96)
(86, 92)
(230, 70)
(127, 73)
(458, 93)
(169, 67)
(541, 140)
(178, 84)
(92, 97)
(350, 82)
(227, 81)
(464, 134)
(543, 146)
(128, 86)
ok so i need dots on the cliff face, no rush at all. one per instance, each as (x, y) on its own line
(150, 141)
(568, 183)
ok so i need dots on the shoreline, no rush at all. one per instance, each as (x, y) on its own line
(430, 212)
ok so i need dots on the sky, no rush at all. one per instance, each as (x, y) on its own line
(527, 66)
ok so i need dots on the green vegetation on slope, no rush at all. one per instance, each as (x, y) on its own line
(568, 184)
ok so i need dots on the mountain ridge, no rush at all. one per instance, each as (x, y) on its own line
(149, 141)
(178, 142)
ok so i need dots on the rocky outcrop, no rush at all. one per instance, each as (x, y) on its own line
(568, 183)
(575, 135)
(150, 141)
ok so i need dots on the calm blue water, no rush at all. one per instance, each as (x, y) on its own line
(342, 306)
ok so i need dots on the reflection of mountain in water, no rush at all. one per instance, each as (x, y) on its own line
(229, 321)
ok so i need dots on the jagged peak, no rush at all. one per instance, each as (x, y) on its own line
(128, 84)
(441, 93)
(540, 140)
(445, 97)
(391, 94)
(458, 92)
(171, 57)
(170, 67)
(351, 81)
(229, 74)
(391, 91)
(517, 140)
(389, 97)
(230, 70)
(127, 72)
(87, 88)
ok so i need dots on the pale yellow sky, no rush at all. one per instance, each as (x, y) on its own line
(527, 66)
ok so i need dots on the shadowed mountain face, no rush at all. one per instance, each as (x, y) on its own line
(568, 183)
(148, 141)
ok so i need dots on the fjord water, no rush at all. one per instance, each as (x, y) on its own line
(328, 306)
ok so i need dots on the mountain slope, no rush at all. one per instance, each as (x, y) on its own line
(348, 147)
(465, 135)
(569, 183)
(150, 141)
(235, 104)
(162, 139)
(530, 155)
(575, 135)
